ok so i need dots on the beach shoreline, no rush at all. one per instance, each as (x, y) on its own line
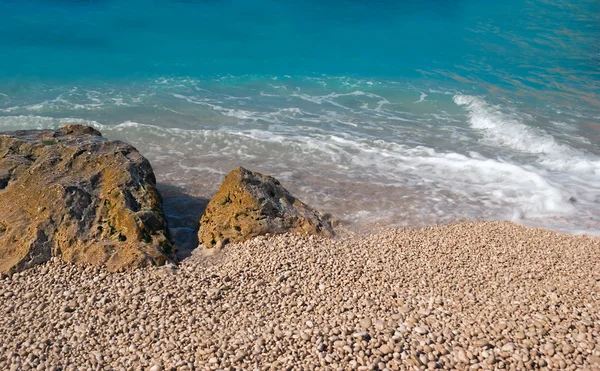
(299, 185)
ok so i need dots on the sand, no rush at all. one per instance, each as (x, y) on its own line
(490, 295)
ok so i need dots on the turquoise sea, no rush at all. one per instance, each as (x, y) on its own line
(402, 112)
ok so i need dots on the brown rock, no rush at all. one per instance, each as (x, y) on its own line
(250, 204)
(74, 194)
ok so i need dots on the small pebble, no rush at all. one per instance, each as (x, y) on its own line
(365, 323)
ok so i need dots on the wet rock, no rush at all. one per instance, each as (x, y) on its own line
(74, 194)
(250, 204)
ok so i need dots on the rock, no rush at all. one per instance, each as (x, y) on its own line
(250, 204)
(509, 347)
(548, 346)
(421, 330)
(567, 348)
(520, 335)
(361, 335)
(462, 356)
(365, 323)
(415, 361)
(386, 349)
(74, 194)
(481, 343)
(405, 309)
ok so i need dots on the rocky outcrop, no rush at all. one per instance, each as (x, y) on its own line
(249, 204)
(74, 194)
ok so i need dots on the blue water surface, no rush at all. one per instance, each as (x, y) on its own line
(390, 39)
(376, 93)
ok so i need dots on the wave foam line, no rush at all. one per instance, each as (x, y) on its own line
(506, 130)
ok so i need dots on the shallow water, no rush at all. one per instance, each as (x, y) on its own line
(391, 112)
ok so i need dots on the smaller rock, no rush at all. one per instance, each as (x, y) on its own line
(520, 335)
(462, 356)
(361, 335)
(365, 323)
(250, 204)
(509, 347)
(567, 349)
(421, 330)
(386, 349)
(481, 343)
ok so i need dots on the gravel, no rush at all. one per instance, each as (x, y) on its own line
(491, 295)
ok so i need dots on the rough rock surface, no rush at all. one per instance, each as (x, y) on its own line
(463, 297)
(74, 194)
(250, 204)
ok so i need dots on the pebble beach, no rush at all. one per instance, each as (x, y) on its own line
(487, 295)
(196, 185)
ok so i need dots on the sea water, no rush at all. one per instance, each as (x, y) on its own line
(402, 113)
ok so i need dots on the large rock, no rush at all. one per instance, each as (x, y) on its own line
(249, 204)
(74, 194)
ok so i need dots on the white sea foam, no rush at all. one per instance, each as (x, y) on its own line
(497, 185)
(327, 144)
(22, 122)
(75, 100)
(507, 130)
(330, 98)
(476, 178)
(278, 86)
(421, 98)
